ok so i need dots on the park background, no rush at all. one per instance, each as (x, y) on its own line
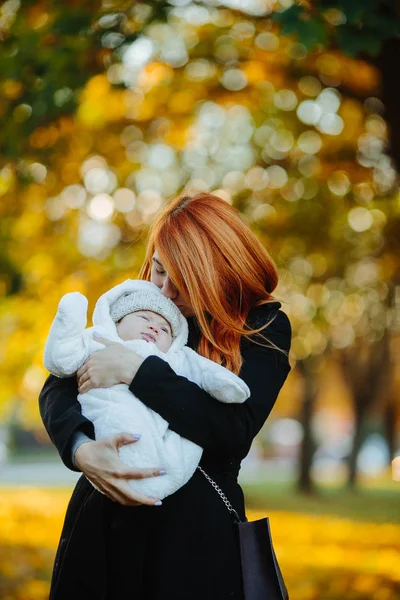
(289, 111)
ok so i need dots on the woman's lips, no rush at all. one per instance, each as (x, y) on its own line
(148, 337)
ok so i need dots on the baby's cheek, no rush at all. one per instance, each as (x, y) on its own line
(164, 345)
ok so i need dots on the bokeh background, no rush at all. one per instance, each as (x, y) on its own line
(289, 111)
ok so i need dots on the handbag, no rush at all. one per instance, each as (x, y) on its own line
(262, 577)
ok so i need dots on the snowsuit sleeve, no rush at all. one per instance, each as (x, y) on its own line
(226, 429)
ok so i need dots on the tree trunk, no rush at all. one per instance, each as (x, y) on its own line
(305, 483)
(389, 425)
(359, 418)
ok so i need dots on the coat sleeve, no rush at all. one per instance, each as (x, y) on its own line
(225, 429)
(62, 416)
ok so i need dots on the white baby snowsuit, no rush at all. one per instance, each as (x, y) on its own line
(115, 410)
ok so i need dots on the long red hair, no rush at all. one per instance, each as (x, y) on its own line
(218, 265)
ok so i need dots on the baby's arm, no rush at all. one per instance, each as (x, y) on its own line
(69, 344)
(218, 381)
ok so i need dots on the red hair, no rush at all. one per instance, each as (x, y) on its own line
(219, 267)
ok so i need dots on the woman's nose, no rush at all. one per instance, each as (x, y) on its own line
(168, 289)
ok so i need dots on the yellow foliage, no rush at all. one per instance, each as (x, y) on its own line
(321, 557)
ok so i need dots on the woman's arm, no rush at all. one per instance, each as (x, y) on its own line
(98, 460)
(225, 429)
(62, 415)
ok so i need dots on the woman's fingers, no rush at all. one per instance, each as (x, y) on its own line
(126, 496)
(101, 340)
(82, 370)
(131, 473)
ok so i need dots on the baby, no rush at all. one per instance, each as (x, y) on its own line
(136, 314)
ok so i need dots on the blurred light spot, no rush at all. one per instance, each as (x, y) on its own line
(374, 105)
(339, 183)
(329, 100)
(160, 156)
(131, 134)
(112, 40)
(115, 73)
(55, 208)
(297, 51)
(353, 305)
(74, 196)
(94, 162)
(267, 41)
(196, 15)
(124, 200)
(148, 179)
(33, 379)
(376, 125)
(224, 194)
(364, 273)
(309, 85)
(374, 455)
(243, 30)
(138, 53)
(286, 432)
(360, 219)
(331, 124)
(38, 172)
(256, 179)
(149, 202)
(62, 96)
(173, 51)
(309, 165)
(277, 177)
(263, 212)
(282, 140)
(101, 207)
(234, 181)
(97, 238)
(199, 70)
(318, 263)
(309, 142)
(285, 100)
(310, 186)
(342, 334)
(99, 180)
(335, 16)
(309, 112)
(293, 190)
(363, 192)
(234, 80)
(22, 112)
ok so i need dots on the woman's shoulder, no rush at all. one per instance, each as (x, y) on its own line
(278, 330)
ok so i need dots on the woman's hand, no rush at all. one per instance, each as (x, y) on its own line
(100, 462)
(105, 368)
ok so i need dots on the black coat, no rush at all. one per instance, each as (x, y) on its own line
(185, 549)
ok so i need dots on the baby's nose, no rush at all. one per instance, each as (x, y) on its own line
(153, 327)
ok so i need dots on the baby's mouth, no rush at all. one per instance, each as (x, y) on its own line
(148, 337)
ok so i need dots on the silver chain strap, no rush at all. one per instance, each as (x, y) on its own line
(221, 493)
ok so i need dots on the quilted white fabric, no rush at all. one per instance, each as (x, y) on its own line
(115, 410)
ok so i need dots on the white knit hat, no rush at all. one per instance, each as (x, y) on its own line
(130, 302)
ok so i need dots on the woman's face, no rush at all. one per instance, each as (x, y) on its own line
(160, 278)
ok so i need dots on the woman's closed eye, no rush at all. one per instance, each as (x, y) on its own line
(159, 272)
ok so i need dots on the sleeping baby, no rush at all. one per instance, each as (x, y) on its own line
(137, 315)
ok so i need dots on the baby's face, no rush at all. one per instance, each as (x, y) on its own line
(146, 325)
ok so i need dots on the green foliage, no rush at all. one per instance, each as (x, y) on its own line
(355, 26)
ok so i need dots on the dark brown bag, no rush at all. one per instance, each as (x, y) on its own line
(262, 577)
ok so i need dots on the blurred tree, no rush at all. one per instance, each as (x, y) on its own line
(198, 97)
(370, 30)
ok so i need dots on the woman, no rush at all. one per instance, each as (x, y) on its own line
(122, 545)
